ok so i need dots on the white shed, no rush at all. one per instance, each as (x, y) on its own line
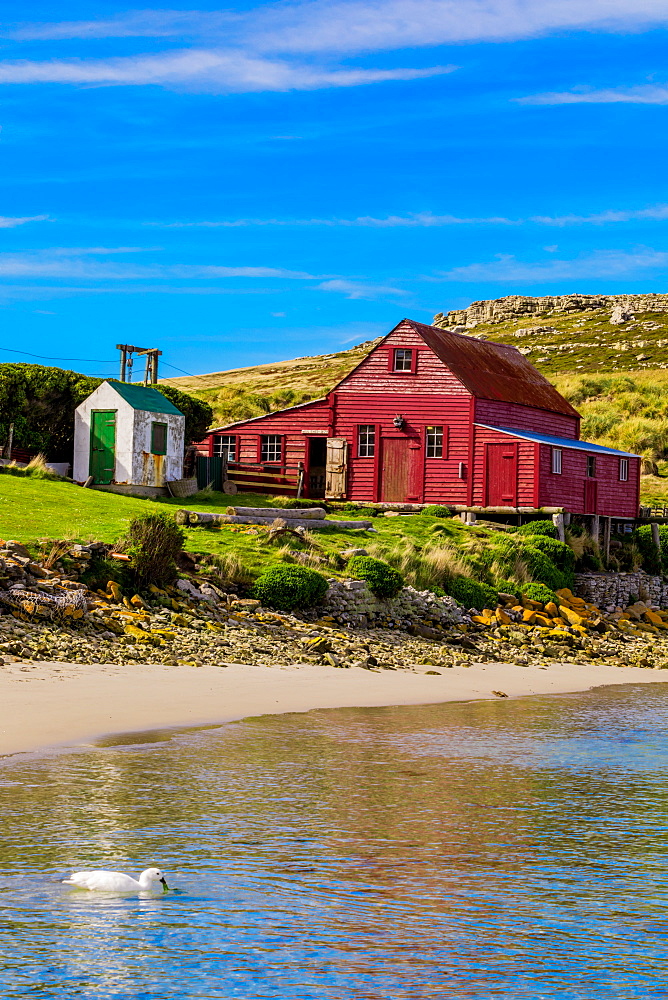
(128, 434)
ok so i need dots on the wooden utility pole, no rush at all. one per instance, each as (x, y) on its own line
(150, 353)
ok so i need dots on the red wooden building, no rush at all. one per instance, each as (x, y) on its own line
(439, 417)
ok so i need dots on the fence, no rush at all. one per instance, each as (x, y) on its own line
(250, 477)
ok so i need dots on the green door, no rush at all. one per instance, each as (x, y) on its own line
(103, 446)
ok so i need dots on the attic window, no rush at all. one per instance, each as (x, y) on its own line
(403, 359)
(158, 439)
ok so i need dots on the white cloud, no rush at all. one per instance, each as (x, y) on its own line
(76, 262)
(655, 213)
(644, 94)
(600, 264)
(9, 221)
(205, 69)
(363, 25)
(416, 220)
(358, 290)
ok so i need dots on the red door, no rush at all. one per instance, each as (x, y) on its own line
(590, 496)
(501, 475)
(397, 470)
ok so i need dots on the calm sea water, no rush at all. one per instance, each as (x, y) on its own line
(495, 849)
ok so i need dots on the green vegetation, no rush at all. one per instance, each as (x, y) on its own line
(539, 592)
(41, 401)
(153, 542)
(437, 510)
(382, 579)
(290, 587)
(653, 561)
(472, 594)
(538, 528)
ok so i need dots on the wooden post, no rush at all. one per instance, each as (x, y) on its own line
(656, 539)
(595, 527)
(607, 529)
(558, 521)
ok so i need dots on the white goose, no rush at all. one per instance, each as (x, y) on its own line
(116, 881)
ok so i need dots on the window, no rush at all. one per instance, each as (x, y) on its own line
(591, 466)
(225, 446)
(556, 461)
(403, 360)
(366, 440)
(158, 439)
(434, 437)
(623, 470)
(271, 448)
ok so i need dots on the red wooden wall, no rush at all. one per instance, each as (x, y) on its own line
(615, 498)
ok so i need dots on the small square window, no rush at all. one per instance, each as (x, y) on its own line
(623, 470)
(271, 448)
(225, 446)
(434, 442)
(556, 461)
(403, 360)
(158, 439)
(591, 466)
(366, 440)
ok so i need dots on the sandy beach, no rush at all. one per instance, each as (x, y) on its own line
(60, 704)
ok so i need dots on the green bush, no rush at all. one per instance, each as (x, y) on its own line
(506, 587)
(383, 580)
(153, 542)
(652, 561)
(472, 594)
(538, 528)
(559, 553)
(542, 568)
(539, 592)
(288, 587)
(437, 510)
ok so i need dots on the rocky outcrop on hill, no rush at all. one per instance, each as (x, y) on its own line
(517, 306)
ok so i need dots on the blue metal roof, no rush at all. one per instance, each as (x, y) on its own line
(594, 449)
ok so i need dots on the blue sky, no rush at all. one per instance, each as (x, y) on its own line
(245, 184)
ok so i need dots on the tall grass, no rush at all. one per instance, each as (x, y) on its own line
(621, 412)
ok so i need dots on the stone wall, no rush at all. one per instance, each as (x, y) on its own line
(351, 602)
(517, 306)
(613, 590)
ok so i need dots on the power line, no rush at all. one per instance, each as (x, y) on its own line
(104, 361)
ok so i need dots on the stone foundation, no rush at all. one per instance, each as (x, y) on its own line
(351, 602)
(613, 590)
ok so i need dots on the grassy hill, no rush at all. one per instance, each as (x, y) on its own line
(246, 392)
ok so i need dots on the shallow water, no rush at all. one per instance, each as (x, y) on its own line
(493, 849)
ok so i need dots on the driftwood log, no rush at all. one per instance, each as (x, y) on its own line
(306, 513)
(194, 517)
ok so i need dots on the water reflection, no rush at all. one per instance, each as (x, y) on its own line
(486, 850)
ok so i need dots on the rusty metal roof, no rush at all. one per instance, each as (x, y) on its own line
(492, 371)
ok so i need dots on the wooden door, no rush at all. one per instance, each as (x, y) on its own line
(501, 475)
(395, 470)
(590, 496)
(103, 446)
(336, 468)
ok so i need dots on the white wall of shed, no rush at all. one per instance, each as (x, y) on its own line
(155, 470)
(103, 398)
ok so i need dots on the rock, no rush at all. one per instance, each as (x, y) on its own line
(621, 314)
(17, 549)
(350, 553)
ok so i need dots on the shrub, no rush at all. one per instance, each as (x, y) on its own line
(287, 587)
(542, 569)
(559, 553)
(538, 528)
(653, 562)
(383, 580)
(506, 587)
(437, 510)
(472, 594)
(153, 542)
(539, 592)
